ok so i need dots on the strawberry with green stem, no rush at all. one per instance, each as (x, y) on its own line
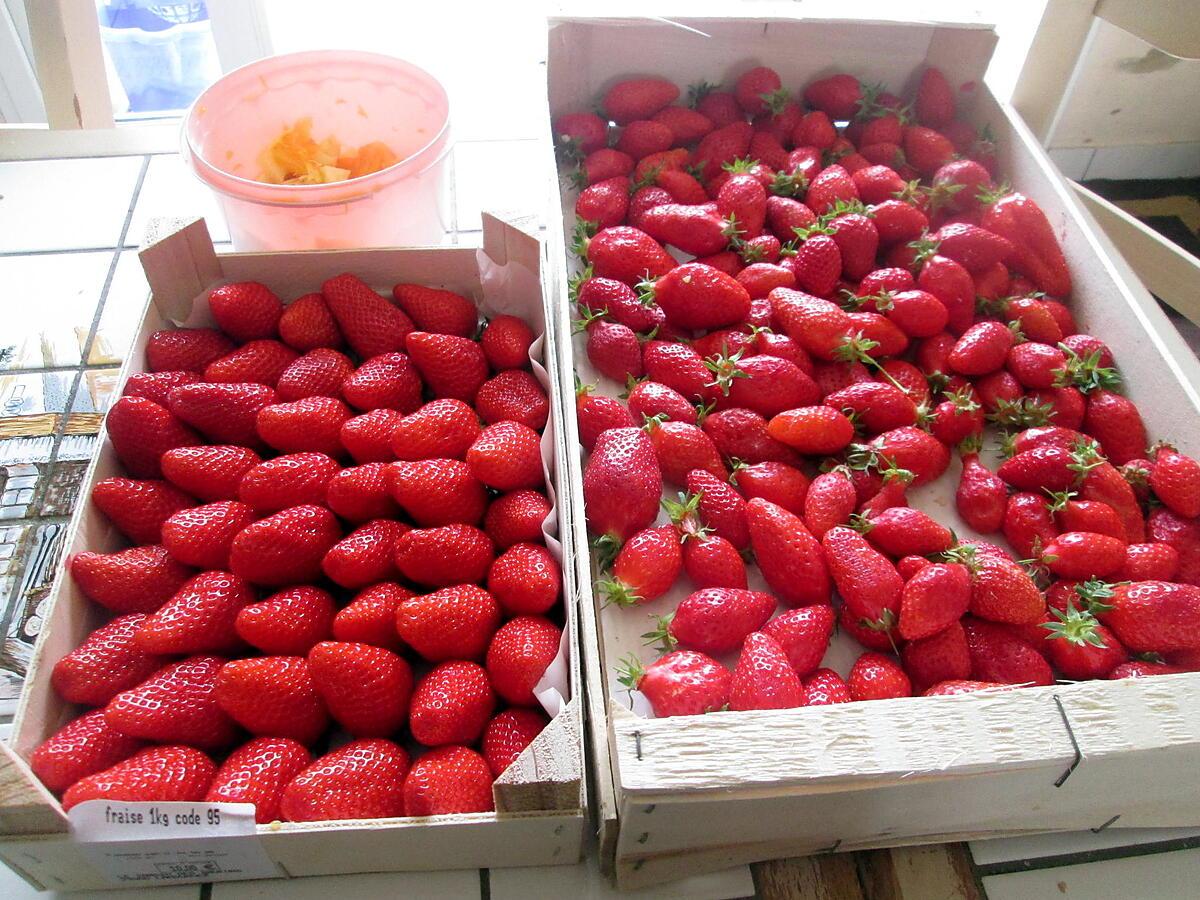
(709, 559)
(681, 683)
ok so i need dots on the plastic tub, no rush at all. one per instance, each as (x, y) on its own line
(357, 98)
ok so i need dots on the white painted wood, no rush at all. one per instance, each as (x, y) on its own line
(1071, 161)
(1040, 846)
(13, 887)
(41, 143)
(70, 63)
(240, 30)
(1051, 62)
(1177, 160)
(1169, 24)
(1160, 876)
(20, 96)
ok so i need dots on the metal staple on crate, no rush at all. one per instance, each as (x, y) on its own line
(1105, 825)
(1062, 779)
(637, 744)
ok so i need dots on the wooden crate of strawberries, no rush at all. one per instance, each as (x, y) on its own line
(814, 317)
(317, 569)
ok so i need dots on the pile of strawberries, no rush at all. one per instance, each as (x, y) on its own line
(335, 514)
(848, 300)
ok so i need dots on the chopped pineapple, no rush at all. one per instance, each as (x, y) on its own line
(296, 158)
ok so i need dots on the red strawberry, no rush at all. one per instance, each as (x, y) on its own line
(819, 326)
(141, 431)
(622, 483)
(437, 491)
(452, 623)
(627, 254)
(830, 501)
(360, 493)
(838, 96)
(877, 405)
(603, 164)
(507, 456)
(804, 635)
(983, 348)
(1149, 562)
(926, 150)
(508, 734)
(775, 482)
(934, 104)
(698, 230)
(1155, 616)
(720, 507)
(82, 747)
(752, 85)
(642, 137)
(514, 395)
(178, 704)
(981, 496)
(370, 618)
(451, 366)
(650, 398)
(646, 567)
(286, 481)
(368, 438)
(273, 696)
(448, 780)
(713, 562)
(440, 428)
(365, 688)
(318, 373)
(1080, 647)
(957, 418)
(449, 554)
(518, 656)
(867, 580)
(1083, 554)
(257, 773)
(138, 579)
(435, 310)
(1105, 484)
(915, 450)
(365, 556)
(210, 473)
(763, 677)
(620, 301)
(1028, 523)
(687, 125)
(933, 598)
(525, 580)
(156, 773)
(185, 349)
(285, 548)
(287, 623)
(202, 535)
(246, 310)
(451, 704)
(1175, 480)
(832, 185)
(604, 203)
(875, 676)
(682, 683)
(107, 662)
(1139, 669)
(721, 147)
(717, 620)
(790, 558)
(307, 324)
(638, 98)
(999, 656)
(897, 223)
(680, 448)
(198, 619)
(766, 384)
(741, 434)
(312, 424)
(371, 324)
(223, 413)
(515, 517)
(360, 780)
(1001, 591)
(138, 508)
(1117, 424)
(940, 657)
(386, 381)
(597, 414)
(679, 367)
(903, 531)
(258, 362)
(698, 297)
(825, 687)
(156, 385)
(613, 349)
(815, 264)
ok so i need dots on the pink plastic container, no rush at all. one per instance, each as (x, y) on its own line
(357, 98)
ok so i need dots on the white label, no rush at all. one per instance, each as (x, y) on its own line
(171, 842)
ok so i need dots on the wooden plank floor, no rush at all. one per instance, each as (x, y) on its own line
(942, 872)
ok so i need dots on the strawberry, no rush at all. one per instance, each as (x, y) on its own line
(1085, 345)
(446, 555)
(721, 146)
(878, 406)
(763, 383)
(198, 619)
(934, 104)
(763, 678)
(866, 579)
(141, 431)
(515, 517)
(687, 125)
(1001, 591)
(1036, 253)
(1080, 647)
(716, 620)
(790, 558)
(903, 531)
(209, 473)
(680, 683)
(643, 137)
(258, 362)
(622, 483)
(1047, 468)
(1149, 562)
(719, 507)
(680, 448)
(185, 349)
(1035, 320)
(1103, 483)
(926, 150)
(257, 773)
(614, 350)
(817, 325)
(620, 301)
(201, 536)
(452, 623)
(223, 413)
(441, 428)
(933, 598)
(365, 688)
(650, 398)
(775, 482)
(604, 164)
(437, 311)
(156, 773)
(597, 414)
(785, 215)
(830, 501)
(914, 450)
(513, 395)
(693, 229)
(825, 687)
(760, 278)
(816, 261)
(957, 418)
(505, 342)
(287, 623)
(451, 366)
(981, 497)
(580, 133)
(917, 313)
(272, 696)
(1139, 669)
(999, 656)
(752, 85)
(698, 297)
(639, 98)
(838, 96)
(670, 186)
(678, 367)
(1155, 616)
(1175, 480)
(976, 249)
(370, 324)
(312, 424)
(518, 656)
(1035, 365)
(285, 548)
(138, 508)
(138, 579)
(646, 567)
(507, 456)
(370, 618)
(952, 284)
(1028, 523)
(804, 635)
(741, 434)
(1116, 422)
(360, 493)
(446, 781)
(360, 780)
(857, 240)
(525, 580)
(386, 381)
(365, 556)
(626, 254)
(508, 734)
(437, 491)
(451, 704)
(897, 223)
(246, 310)
(82, 747)
(107, 662)
(742, 200)
(177, 704)
(1080, 555)
(954, 686)
(875, 676)
(156, 386)
(307, 324)
(368, 438)
(983, 348)
(942, 656)
(285, 481)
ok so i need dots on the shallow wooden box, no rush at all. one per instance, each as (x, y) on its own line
(688, 795)
(540, 799)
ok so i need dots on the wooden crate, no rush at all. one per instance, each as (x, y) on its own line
(695, 794)
(540, 799)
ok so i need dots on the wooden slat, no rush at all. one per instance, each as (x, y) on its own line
(828, 877)
(934, 872)
(70, 63)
